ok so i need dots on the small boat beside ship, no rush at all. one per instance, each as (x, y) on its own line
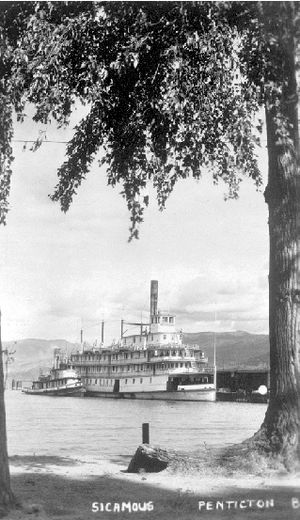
(62, 380)
(153, 363)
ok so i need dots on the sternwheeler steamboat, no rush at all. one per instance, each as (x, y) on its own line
(152, 364)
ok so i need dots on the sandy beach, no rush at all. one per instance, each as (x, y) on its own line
(71, 489)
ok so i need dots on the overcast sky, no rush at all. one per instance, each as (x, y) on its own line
(63, 271)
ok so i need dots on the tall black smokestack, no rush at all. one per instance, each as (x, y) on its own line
(153, 297)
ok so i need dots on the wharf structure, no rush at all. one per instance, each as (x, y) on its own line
(244, 385)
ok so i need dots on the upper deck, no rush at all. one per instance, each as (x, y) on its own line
(178, 355)
(156, 343)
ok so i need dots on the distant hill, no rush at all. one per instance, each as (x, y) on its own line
(30, 356)
(234, 350)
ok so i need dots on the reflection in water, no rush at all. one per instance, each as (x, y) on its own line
(109, 428)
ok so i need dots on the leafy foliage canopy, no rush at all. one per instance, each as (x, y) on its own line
(171, 89)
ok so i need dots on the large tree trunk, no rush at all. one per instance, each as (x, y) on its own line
(6, 496)
(281, 427)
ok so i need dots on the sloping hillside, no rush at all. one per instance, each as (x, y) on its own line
(234, 349)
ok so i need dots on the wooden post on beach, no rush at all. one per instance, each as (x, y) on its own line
(146, 436)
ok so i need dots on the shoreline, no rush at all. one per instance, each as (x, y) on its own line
(63, 488)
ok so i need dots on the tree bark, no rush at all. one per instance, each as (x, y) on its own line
(6, 495)
(281, 427)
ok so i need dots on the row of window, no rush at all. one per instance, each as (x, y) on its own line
(141, 339)
(162, 319)
(136, 355)
(110, 382)
(51, 384)
(102, 382)
(104, 357)
(132, 355)
(173, 353)
(133, 368)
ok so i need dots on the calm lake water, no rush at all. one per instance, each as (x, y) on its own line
(109, 428)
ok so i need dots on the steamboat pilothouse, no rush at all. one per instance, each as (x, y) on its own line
(151, 364)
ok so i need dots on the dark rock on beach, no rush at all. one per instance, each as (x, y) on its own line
(149, 459)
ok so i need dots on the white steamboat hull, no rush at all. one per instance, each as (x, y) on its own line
(73, 391)
(186, 395)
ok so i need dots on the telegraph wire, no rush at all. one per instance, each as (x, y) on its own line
(35, 140)
(63, 142)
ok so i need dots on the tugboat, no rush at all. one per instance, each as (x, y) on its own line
(151, 364)
(62, 380)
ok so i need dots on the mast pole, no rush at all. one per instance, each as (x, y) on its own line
(215, 354)
(102, 332)
(81, 339)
